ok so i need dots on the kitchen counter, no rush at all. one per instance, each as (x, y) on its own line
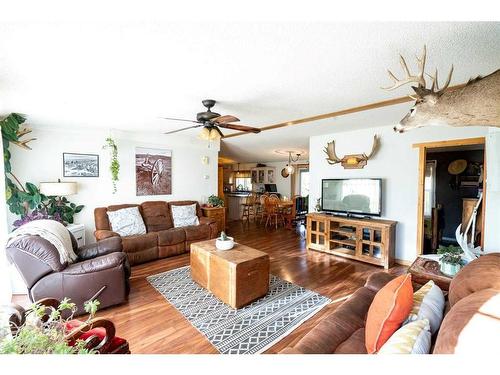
(234, 201)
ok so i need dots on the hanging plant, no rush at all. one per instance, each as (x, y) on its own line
(114, 167)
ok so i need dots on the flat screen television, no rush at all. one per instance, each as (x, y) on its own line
(357, 196)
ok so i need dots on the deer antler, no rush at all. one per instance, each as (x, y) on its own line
(375, 146)
(435, 84)
(330, 152)
(419, 78)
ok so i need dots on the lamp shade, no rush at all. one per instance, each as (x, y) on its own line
(58, 188)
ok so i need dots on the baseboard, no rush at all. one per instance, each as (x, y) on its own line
(403, 262)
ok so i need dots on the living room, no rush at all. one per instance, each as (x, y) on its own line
(185, 186)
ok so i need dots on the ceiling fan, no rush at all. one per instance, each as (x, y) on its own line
(212, 122)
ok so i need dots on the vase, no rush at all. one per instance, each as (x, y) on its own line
(449, 269)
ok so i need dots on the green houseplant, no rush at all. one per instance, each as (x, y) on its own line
(450, 260)
(114, 166)
(26, 200)
(215, 201)
(40, 336)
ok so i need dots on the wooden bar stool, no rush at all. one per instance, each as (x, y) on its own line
(248, 208)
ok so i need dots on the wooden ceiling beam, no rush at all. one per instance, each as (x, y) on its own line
(342, 112)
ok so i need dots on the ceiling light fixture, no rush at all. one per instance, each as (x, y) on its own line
(289, 167)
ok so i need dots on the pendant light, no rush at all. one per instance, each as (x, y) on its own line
(289, 167)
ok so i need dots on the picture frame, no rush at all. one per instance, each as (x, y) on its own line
(80, 165)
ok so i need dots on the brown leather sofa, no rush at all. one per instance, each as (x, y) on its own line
(102, 271)
(343, 331)
(162, 239)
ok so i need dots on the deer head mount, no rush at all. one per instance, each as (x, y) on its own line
(476, 103)
(354, 161)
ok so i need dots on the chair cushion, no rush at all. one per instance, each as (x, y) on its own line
(412, 338)
(472, 326)
(355, 344)
(184, 215)
(127, 221)
(428, 303)
(171, 236)
(479, 274)
(389, 309)
(116, 342)
(197, 232)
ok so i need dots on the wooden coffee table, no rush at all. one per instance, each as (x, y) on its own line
(237, 276)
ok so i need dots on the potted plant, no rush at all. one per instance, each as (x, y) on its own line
(45, 331)
(450, 260)
(224, 242)
(215, 201)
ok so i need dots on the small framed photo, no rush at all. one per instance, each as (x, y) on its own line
(80, 165)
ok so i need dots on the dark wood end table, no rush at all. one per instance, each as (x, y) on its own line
(424, 269)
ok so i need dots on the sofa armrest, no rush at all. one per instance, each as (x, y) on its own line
(103, 247)
(377, 281)
(96, 264)
(206, 220)
(102, 234)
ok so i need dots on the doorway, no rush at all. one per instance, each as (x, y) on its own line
(451, 182)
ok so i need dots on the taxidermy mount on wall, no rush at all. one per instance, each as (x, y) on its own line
(477, 103)
(353, 161)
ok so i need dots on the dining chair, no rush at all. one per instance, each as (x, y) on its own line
(248, 207)
(273, 210)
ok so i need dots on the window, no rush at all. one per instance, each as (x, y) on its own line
(304, 182)
(243, 180)
(430, 187)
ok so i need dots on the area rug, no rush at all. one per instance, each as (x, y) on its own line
(249, 330)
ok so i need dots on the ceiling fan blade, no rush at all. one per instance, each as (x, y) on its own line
(178, 119)
(179, 130)
(242, 128)
(225, 119)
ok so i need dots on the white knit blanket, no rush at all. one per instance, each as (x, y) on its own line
(51, 230)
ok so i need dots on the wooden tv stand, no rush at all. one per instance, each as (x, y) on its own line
(367, 240)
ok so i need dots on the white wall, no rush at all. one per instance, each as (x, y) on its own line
(44, 163)
(397, 164)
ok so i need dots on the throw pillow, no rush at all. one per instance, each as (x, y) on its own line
(428, 303)
(184, 215)
(412, 338)
(127, 221)
(390, 307)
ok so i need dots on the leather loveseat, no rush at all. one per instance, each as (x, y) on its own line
(162, 238)
(101, 271)
(471, 324)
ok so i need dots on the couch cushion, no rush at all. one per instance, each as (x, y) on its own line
(389, 309)
(472, 326)
(156, 216)
(428, 303)
(197, 232)
(184, 215)
(355, 344)
(127, 221)
(132, 244)
(171, 236)
(412, 338)
(482, 273)
(184, 203)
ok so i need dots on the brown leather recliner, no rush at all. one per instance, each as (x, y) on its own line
(162, 239)
(473, 302)
(102, 271)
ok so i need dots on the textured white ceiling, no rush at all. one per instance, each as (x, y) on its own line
(125, 74)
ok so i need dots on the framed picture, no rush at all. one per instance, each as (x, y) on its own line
(153, 171)
(80, 165)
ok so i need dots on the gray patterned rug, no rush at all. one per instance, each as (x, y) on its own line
(249, 330)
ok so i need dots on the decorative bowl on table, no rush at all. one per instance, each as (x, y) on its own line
(224, 242)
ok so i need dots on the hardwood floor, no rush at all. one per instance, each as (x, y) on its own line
(152, 325)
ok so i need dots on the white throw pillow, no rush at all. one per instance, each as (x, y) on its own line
(127, 221)
(412, 338)
(428, 303)
(184, 215)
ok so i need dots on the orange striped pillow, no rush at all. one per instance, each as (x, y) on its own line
(390, 307)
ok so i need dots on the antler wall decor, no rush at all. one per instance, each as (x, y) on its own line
(353, 161)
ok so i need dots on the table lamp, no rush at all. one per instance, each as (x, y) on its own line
(58, 189)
